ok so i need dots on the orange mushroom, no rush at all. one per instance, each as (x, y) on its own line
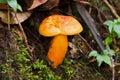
(59, 26)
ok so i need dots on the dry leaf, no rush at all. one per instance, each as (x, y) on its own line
(3, 7)
(18, 32)
(73, 49)
(49, 4)
(37, 3)
(21, 17)
(92, 60)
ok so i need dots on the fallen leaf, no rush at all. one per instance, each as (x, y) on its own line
(49, 4)
(3, 7)
(22, 16)
(18, 32)
(73, 49)
(37, 3)
(92, 60)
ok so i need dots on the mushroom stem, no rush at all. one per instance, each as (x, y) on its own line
(57, 50)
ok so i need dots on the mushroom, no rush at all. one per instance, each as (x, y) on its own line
(59, 26)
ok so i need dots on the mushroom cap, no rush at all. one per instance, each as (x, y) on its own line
(59, 24)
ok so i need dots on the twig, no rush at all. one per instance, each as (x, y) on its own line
(85, 42)
(113, 63)
(25, 38)
(111, 8)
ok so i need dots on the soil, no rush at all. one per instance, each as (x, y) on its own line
(84, 68)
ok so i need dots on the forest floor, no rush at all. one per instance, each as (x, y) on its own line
(23, 55)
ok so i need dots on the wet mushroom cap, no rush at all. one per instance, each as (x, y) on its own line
(59, 24)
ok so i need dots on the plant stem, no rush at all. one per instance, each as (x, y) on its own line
(25, 38)
(112, 62)
(8, 15)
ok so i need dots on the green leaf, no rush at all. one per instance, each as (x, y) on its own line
(110, 25)
(2, 1)
(107, 60)
(117, 21)
(93, 54)
(13, 4)
(108, 40)
(112, 52)
(19, 7)
(100, 59)
(117, 30)
(103, 58)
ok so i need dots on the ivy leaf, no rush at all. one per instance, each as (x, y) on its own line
(117, 29)
(93, 54)
(112, 52)
(107, 60)
(100, 59)
(110, 25)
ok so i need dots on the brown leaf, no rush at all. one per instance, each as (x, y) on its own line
(49, 4)
(73, 49)
(3, 7)
(37, 3)
(18, 32)
(21, 17)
